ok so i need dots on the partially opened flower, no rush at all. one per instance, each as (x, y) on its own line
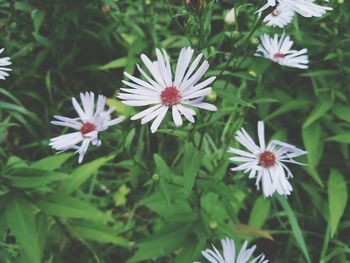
(279, 50)
(281, 16)
(306, 8)
(266, 163)
(89, 123)
(245, 254)
(161, 91)
(3, 63)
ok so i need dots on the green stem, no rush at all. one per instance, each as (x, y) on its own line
(325, 244)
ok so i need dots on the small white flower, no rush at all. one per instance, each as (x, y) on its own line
(162, 92)
(90, 122)
(230, 17)
(280, 17)
(306, 8)
(3, 63)
(279, 51)
(266, 162)
(229, 254)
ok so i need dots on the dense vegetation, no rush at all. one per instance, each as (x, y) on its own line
(166, 196)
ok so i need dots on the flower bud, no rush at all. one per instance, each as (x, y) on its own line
(106, 8)
(252, 73)
(254, 41)
(212, 96)
(155, 177)
(230, 17)
(235, 35)
(213, 224)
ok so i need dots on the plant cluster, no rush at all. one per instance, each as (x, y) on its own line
(151, 107)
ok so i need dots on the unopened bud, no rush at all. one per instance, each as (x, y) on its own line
(230, 17)
(212, 96)
(155, 177)
(252, 73)
(254, 41)
(106, 8)
(235, 35)
(148, 2)
(340, 2)
(213, 224)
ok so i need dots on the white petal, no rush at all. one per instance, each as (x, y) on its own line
(261, 135)
(158, 120)
(66, 140)
(202, 105)
(79, 110)
(153, 115)
(187, 112)
(176, 116)
(145, 112)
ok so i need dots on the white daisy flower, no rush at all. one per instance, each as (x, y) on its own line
(306, 8)
(266, 162)
(3, 63)
(90, 122)
(279, 51)
(229, 255)
(161, 92)
(281, 16)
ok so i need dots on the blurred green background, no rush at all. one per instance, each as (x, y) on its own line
(165, 197)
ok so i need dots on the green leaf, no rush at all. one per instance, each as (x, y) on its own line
(320, 109)
(287, 107)
(315, 175)
(82, 174)
(21, 6)
(342, 138)
(70, 207)
(160, 244)
(342, 112)
(297, 232)
(191, 163)
(182, 134)
(52, 163)
(164, 177)
(260, 212)
(129, 139)
(191, 249)
(16, 162)
(31, 178)
(178, 210)
(38, 18)
(314, 146)
(337, 199)
(99, 233)
(321, 73)
(313, 143)
(21, 221)
(117, 63)
(120, 196)
(46, 42)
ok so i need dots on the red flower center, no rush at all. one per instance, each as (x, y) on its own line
(87, 127)
(274, 13)
(170, 96)
(279, 55)
(267, 159)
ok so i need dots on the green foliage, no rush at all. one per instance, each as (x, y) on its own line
(165, 197)
(337, 199)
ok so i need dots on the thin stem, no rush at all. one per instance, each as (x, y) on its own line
(325, 244)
